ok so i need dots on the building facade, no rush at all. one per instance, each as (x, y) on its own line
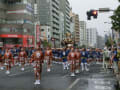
(92, 37)
(17, 23)
(75, 28)
(49, 16)
(72, 26)
(83, 33)
(65, 8)
(62, 37)
(100, 42)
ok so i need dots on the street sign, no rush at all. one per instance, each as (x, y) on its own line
(104, 9)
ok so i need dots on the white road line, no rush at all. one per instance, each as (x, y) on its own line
(73, 84)
(65, 76)
(19, 73)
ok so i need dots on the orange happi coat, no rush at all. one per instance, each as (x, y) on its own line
(37, 56)
(78, 55)
(8, 55)
(48, 53)
(72, 56)
(22, 54)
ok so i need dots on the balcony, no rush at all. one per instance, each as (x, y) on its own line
(2, 6)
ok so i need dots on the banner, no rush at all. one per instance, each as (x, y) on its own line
(38, 33)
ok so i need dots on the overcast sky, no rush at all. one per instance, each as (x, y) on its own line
(81, 6)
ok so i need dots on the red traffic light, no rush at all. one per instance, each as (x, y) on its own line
(94, 12)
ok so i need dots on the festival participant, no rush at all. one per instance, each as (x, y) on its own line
(22, 58)
(72, 57)
(115, 61)
(8, 59)
(90, 56)
(84, 57)
(37, 59)
(94, 55)
(54, 54)
(48, 57)
(78, 61)
(59, 56)
(15, 55)
(97, 56)
(63, 55)
(1, 59)
(1, 62)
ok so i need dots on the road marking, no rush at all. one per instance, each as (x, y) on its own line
(65, 76)
(19, 73)
(73, 84)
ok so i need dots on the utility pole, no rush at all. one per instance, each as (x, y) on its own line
(36, 24)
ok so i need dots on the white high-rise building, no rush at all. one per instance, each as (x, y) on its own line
(62, 30)
(50, 16)
(83, 33)
(92, 37)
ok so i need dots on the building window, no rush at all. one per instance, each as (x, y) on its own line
(48, 30)
(42, 30)
(48, 36)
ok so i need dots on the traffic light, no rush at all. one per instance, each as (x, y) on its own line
(93, 13)
(88, 15)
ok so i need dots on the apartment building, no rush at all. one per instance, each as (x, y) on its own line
(17, 23)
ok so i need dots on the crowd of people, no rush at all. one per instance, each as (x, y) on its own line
(111, 58)
(73, 59)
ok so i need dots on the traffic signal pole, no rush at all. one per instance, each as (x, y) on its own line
(94, 12)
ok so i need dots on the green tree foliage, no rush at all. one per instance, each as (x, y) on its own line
(46, 44)
(108, 43)
(116, 19)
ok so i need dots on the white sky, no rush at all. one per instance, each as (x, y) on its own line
(82, 6)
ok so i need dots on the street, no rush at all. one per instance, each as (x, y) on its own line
(58, 79)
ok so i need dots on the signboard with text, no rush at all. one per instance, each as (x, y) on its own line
(38, 33)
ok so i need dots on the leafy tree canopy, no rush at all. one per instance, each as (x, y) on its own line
(116, 19)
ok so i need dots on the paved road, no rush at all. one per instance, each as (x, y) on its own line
(57, 79)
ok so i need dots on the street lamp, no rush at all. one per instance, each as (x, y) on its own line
(112, 35)
(111, 29)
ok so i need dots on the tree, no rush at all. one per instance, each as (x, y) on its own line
(108, 43)
(46, 44)
(116, 19)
